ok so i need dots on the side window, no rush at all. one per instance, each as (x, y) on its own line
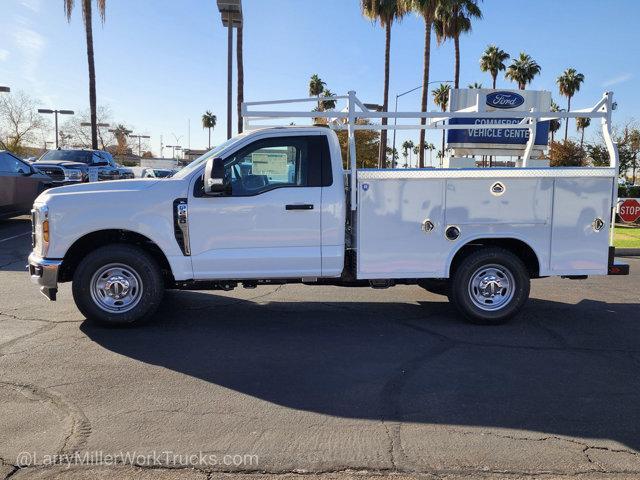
(268, 164)
(11, 164)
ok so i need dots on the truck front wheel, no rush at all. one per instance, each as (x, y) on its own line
(118, 285)
(490, 286)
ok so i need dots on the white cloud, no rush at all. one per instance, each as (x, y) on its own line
(616, 80)
(4, 54)
(33, 5)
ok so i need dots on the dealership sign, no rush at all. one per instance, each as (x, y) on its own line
(496, 141)
(629, 210)
(504, 99)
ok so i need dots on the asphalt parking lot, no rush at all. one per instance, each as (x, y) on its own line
(320, 382)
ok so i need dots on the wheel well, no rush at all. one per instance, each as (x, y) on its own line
(515, 246)
(93, 240)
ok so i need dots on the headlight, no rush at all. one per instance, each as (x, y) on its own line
(40, 229)
(72, 174)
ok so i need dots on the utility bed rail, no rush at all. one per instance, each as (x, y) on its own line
(347, 117)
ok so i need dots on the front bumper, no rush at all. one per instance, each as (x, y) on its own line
(44, 272)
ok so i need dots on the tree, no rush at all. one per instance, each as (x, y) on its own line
(554, 125)
(569, 84)
(431, 147)
(367, 145)
(453, 18)
(392, 157)
(566, 154)
(88, 28)
(327, 104)
(581, 124)
(20, 122)
(209, 121)
(122, 137)
(385, 12)
(523, 70)
(598, 155)
(81, 135)
(316, 87)
(407, 147)
(240, 66)
(492, 61)
(441, 99)
(474, 85)
(427, 9)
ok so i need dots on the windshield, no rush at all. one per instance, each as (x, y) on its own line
(216, 152)
(82, 156)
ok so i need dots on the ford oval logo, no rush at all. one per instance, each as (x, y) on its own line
(504, 100)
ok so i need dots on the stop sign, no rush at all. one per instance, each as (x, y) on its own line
(629, 210)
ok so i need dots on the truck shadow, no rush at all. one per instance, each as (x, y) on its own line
(15, 243)
(558, 368)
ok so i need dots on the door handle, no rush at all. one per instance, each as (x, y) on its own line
(299, 206)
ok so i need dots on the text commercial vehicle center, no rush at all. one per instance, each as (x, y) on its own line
(274, 205)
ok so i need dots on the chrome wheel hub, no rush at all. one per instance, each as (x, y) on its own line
(491, 287)
(116, 288)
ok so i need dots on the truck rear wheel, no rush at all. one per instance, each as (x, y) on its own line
(118, 285)
(490, 286)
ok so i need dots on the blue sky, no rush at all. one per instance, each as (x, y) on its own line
(162, 62)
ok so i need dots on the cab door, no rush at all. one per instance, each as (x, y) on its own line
(267, 225)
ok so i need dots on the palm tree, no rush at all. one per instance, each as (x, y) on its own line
(385, 12)
(554, 125)
(327, 104)
(209, 121)
(568, 84)
(316, 87)
(523, 70)
(407, 147)
(121, 133)
(431, 147)
(474, 85)
(581, 124)
(492, 61)
(88, 28)
(240, 66)
(427, 9)
(441, 99)
(453, 17)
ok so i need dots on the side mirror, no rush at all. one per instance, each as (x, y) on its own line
(214, 178)
(26, 173)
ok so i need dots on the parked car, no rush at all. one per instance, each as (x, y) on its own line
(73, 166)
(157, 173)
(20, 184)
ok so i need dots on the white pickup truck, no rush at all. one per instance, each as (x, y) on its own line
(275, 206)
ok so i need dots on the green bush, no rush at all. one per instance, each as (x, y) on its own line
(633, 191)
(622, 191)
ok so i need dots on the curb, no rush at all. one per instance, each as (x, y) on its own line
(627, 252)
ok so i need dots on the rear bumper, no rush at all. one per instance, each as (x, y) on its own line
(616, 268)
(44, 272)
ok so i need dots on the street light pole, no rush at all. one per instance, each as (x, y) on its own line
(395, 119)
(139, 137)
(55, 112)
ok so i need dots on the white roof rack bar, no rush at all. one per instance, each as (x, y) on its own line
(346, 119)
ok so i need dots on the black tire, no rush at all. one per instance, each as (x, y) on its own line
(439, 286)
(131, 265)
(482, 273)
